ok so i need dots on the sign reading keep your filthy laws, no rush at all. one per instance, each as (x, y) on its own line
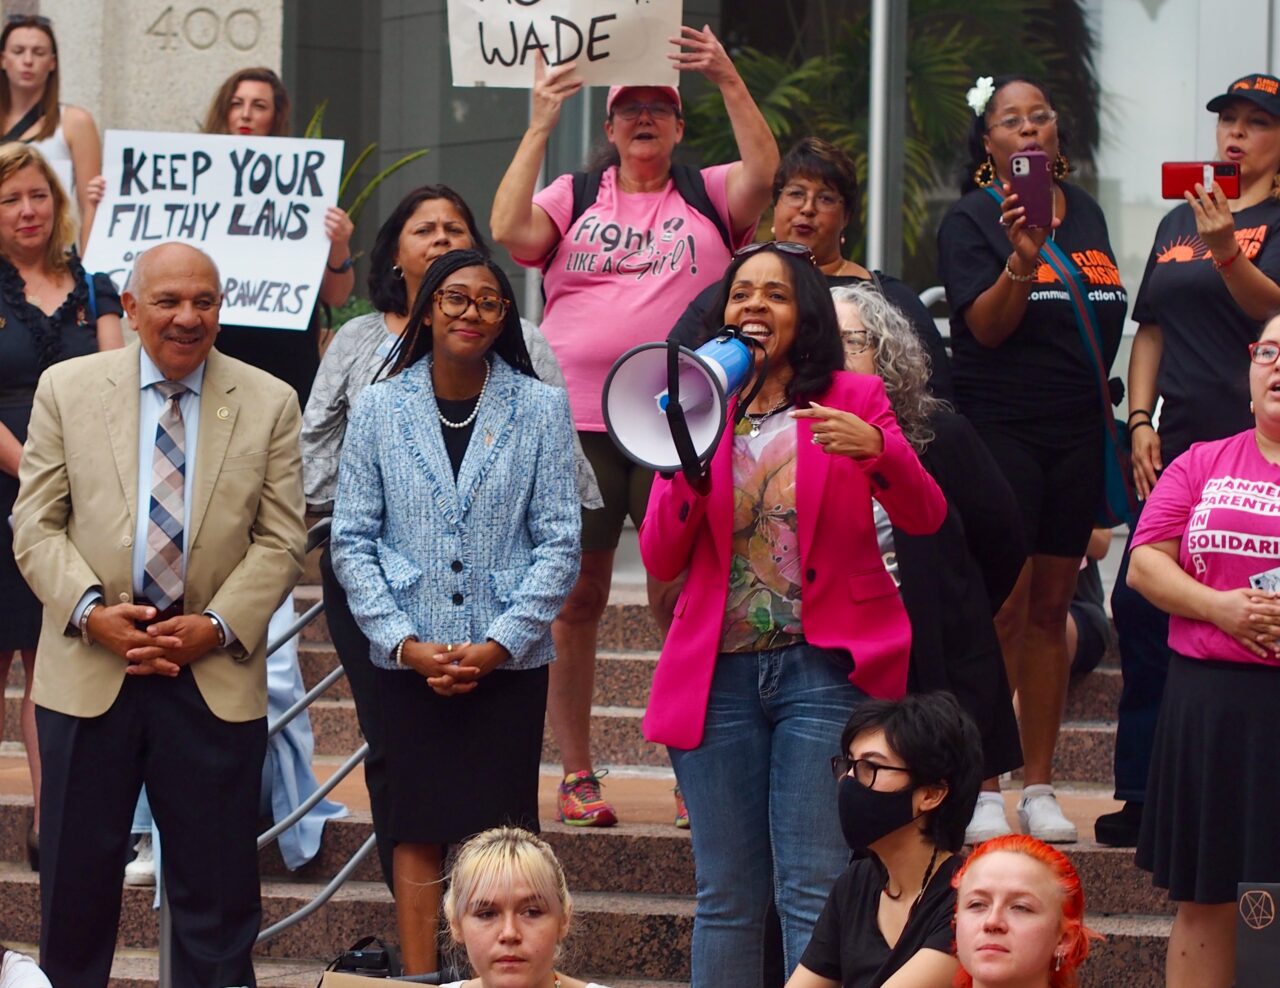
(256, 205)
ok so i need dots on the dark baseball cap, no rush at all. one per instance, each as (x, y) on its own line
(1261, 90)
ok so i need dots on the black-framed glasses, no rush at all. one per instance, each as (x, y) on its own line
(658, 109)
(28, 20)
(1040, 118)
(1264, 352)
(823, 200)
(490, 308)
(780, 246)
(863, 769)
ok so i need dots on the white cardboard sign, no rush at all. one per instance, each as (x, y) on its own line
(614, 42)
(256, 205)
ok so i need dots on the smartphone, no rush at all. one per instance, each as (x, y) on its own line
(1032, 182)
(1180, 177)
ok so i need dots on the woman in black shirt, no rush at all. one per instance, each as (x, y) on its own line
(908, 779)
(1023, 377)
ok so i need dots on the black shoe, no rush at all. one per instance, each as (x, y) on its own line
(1119, 829)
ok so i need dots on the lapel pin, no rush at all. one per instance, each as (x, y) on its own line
(224, 412)
(488, 438)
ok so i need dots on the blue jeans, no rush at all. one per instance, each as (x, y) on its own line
(762, 804)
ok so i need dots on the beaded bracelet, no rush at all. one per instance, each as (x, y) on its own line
(1021, 279)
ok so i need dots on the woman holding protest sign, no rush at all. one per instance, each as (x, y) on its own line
(254, 103)
(50, 310)
(646, 236)
(30, 111)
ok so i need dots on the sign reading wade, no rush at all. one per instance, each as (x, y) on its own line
(614, 42)
(256, 205)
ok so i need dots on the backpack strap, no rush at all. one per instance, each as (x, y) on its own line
(586, 186)
(693, 190)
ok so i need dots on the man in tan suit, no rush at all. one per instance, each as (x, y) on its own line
(159, 521)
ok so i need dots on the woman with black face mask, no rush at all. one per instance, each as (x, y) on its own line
(908, 780)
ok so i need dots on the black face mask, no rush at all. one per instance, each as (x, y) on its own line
(866, 815)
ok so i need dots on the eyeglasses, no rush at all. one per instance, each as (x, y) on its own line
(796, 197)
(1041, 118)
(863, 769)
(658, 109)
(855, 341)
(1264, 353)
(490, 308)
(28, 20)
(778, 246)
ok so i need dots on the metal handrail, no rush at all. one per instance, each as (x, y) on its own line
(317, 536)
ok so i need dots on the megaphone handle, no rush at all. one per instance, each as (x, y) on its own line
(692, 468)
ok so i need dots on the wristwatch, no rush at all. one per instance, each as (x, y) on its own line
(342, 268)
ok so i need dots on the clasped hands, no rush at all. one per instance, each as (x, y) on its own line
(1251, 617)
(162, 649)
(452, 670)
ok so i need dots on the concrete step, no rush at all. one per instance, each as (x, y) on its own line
(623, 680)
(651, 859)
(638, 936)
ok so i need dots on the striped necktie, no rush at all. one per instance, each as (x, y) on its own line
(162, 577)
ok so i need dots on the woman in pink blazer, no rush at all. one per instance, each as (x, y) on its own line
(788, 618)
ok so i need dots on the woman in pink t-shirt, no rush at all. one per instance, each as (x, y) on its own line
(615, 276)
(1207, 551)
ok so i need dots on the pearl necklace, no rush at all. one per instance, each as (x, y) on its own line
(475, 411)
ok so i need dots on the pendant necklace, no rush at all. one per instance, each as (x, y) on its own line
(758, 420)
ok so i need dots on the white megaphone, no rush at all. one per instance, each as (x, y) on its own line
(637, 396)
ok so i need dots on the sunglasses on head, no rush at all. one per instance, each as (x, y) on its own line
(28, 20)
(779, 247)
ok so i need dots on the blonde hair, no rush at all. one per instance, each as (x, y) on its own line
(496, 859)
(16, 156)
(900, 359)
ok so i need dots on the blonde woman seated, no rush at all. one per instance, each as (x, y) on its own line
(508, 905)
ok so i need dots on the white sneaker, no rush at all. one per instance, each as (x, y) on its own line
(142, 869)
(988, 820)
(1041, 816)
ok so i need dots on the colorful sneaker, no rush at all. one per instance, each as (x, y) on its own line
(682, 811)
(581, 804)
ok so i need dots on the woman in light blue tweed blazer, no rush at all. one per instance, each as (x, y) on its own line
(456, 537)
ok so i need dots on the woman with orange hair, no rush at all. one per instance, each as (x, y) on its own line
(1019, 916)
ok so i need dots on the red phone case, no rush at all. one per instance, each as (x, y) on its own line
(1179, 177)
(1033, 185)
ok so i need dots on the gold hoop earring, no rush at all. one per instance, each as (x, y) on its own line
(985, 174)
(1061, 166)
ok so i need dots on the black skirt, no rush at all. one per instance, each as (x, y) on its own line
(461, 764)
(1213, 797)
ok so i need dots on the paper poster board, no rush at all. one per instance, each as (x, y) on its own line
(614, 42)
(255, 204)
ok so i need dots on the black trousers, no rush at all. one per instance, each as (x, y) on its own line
(203, 777)
(353, 652)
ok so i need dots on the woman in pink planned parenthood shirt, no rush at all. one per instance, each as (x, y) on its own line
(1207, 551)
(619, 266)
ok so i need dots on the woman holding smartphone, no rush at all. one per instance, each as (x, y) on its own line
(1213, 274)
(1023, 376)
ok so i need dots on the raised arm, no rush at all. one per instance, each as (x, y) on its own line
(1253, 290)
(750, 180)
(86, 163)
(516, 223)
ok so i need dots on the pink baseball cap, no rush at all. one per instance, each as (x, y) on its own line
(669, 91)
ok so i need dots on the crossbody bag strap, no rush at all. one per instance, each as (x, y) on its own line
(23, 125)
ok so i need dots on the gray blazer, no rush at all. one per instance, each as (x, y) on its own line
(491, 556)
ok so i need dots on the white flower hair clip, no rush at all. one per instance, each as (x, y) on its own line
(980, 94)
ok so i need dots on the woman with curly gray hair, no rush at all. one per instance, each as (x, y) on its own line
(952, 582)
